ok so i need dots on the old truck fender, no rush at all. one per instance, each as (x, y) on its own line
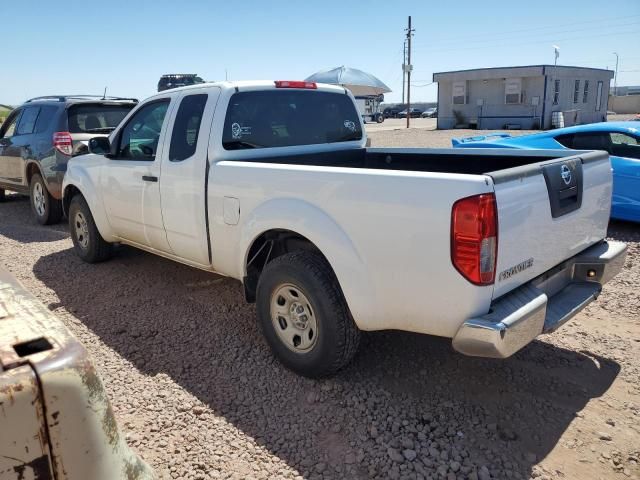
(326, 234)
(56, 420)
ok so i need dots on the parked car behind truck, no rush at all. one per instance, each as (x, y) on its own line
(271, 183)
(620, 139)
(39, 137)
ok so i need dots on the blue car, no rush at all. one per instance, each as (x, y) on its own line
(620, 139)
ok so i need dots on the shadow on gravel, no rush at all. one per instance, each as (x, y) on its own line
(17, 222)
(403, 393)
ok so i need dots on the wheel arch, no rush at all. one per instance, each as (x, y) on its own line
(283, 225)
(88, 192)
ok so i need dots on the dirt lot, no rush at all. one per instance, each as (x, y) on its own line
(199, 395)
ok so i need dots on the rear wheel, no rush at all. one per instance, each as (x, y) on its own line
(304, 316)
(46, 209)
(379, 118)
(88, 243)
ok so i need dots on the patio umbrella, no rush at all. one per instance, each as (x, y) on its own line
(360, 83)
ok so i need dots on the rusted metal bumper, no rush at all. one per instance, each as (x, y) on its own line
(55, 418)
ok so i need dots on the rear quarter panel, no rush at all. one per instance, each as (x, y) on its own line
(386, 235)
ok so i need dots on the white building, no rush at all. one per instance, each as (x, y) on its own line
(528, 97)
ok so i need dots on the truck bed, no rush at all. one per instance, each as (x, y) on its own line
(469, 161)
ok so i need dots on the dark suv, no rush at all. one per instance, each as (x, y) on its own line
(39, 137)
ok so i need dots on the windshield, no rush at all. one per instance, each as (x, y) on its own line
(283, 118)
(96, 118)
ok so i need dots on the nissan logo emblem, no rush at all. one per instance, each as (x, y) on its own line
(565, 173)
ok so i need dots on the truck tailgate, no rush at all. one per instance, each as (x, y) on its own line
(549, 212)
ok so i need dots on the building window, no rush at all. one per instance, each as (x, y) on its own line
(599, 97)
(576, 91)
(513, 90)
(585, 93)
(556, 91)
(459, 93)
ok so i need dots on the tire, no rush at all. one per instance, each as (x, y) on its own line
(87, 241)
(379, 118)
(45, 208)
(333, 343)
(2, 195)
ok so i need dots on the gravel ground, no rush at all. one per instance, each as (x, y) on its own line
(198, 394)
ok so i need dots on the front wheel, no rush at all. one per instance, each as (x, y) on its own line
(88, 243)
(304, 316)
(379, 118)
(46, 209)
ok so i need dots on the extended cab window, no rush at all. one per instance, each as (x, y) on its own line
(284, 118)
(140, 136)
(184, 137)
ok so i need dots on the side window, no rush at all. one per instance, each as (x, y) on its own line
(599, 97)
(592, 141)
(27, 122)
(585, 94)
(140, 136)
(9, 127)
(623, 145)
(184, 137)
(44, 119)
(565, 140)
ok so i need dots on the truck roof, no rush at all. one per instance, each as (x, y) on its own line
(247, 85)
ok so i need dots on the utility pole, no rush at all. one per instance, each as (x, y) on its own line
(409, 67)
(615, 77)
(404, 71)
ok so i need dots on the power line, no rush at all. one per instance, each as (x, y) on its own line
(557, 26)
(558, 40)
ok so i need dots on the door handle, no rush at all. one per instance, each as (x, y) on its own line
(149, 178)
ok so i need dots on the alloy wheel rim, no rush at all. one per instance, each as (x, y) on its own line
(81, 230)
(293, 318)
(38, 199)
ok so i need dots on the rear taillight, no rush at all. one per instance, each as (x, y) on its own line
(63, 143)
(474, 238)
(295, 84)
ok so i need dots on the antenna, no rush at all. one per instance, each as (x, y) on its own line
(104, 95)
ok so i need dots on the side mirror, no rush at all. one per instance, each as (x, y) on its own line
(100, 146)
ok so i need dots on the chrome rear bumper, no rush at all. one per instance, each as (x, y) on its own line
(541, 305)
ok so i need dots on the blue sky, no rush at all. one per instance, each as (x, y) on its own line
(81, 47)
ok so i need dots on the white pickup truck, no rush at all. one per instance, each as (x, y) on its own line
(271, 183)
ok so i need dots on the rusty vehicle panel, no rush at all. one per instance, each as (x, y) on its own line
(56, 421)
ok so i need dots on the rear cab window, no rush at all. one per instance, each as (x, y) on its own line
(285, 118)
(96, 117)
